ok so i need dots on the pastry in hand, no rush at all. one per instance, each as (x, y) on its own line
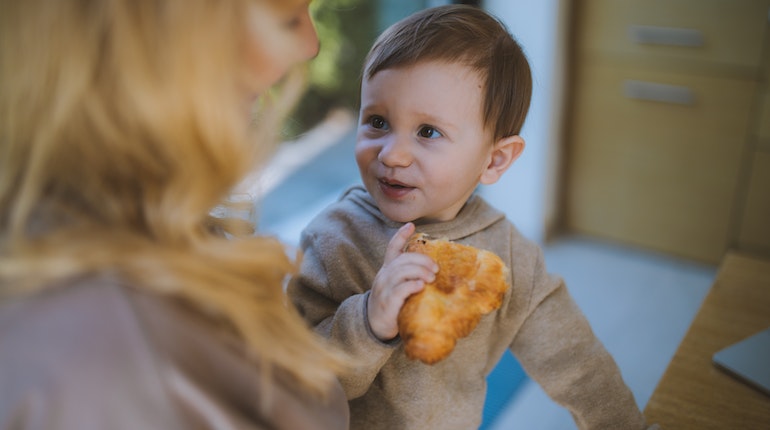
(470, 283)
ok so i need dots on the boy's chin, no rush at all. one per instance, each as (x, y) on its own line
(400, 218)
(402, 214)
(396, 215)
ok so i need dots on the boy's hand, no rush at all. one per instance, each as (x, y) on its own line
(402, 274)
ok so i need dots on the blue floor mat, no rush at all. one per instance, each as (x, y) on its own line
(502, 384)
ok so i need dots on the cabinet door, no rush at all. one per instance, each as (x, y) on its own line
(654, 157)
(754, 234)
(754, 218)
(713, 33)
(763, 126)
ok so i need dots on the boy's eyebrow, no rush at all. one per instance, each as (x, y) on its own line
(366, 108)
(431, 119)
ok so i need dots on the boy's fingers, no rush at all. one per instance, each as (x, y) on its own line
(398, 241)
(409, 288)
(417, 270)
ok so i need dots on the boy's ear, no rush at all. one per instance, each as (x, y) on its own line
(504, 153)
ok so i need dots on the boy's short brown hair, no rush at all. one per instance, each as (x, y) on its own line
(466, 34)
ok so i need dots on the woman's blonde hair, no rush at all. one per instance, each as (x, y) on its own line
(122, 124)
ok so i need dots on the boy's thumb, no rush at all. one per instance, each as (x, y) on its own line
(398, 241)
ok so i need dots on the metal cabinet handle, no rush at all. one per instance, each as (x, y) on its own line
(652, 91)
(671, 36)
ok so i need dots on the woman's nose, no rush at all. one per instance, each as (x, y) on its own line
(396, 152)
(310, 42)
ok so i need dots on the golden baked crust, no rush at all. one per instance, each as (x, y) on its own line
(471, 282)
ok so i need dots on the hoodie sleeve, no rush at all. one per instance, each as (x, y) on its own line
(558, 349)
(331, 293)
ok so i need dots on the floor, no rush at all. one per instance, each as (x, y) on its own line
(639, 303)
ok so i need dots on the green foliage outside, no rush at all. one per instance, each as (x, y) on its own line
(346, 30)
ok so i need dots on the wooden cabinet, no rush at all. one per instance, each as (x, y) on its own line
(663, 125)
(694, 33)
(753, 227)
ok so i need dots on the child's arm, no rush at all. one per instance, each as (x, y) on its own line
(402, 274)
(558, 349)
(333, 289)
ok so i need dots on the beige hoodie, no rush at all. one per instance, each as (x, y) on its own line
(343, 250)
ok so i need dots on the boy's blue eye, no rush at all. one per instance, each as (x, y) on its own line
(429, 132)
(378, 122)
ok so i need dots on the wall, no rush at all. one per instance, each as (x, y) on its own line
(527, 193)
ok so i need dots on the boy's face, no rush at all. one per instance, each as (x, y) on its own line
(422, 147)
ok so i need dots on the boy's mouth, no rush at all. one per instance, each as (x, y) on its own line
(393, 188)
(393, 183)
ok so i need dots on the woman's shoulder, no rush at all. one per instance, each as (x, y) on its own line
(68, 326)
(91, 308)
(73, 348)
(99, 341)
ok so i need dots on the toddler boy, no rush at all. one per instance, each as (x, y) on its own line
(443, 98)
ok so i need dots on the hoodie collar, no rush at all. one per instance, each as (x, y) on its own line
(476, 215)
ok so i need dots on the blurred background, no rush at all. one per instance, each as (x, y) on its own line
(647, 160)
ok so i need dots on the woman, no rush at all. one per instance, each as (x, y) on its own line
(122, 124)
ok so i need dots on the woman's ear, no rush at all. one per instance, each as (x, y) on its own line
(504, 153)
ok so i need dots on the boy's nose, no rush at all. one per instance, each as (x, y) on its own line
(395, 152)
